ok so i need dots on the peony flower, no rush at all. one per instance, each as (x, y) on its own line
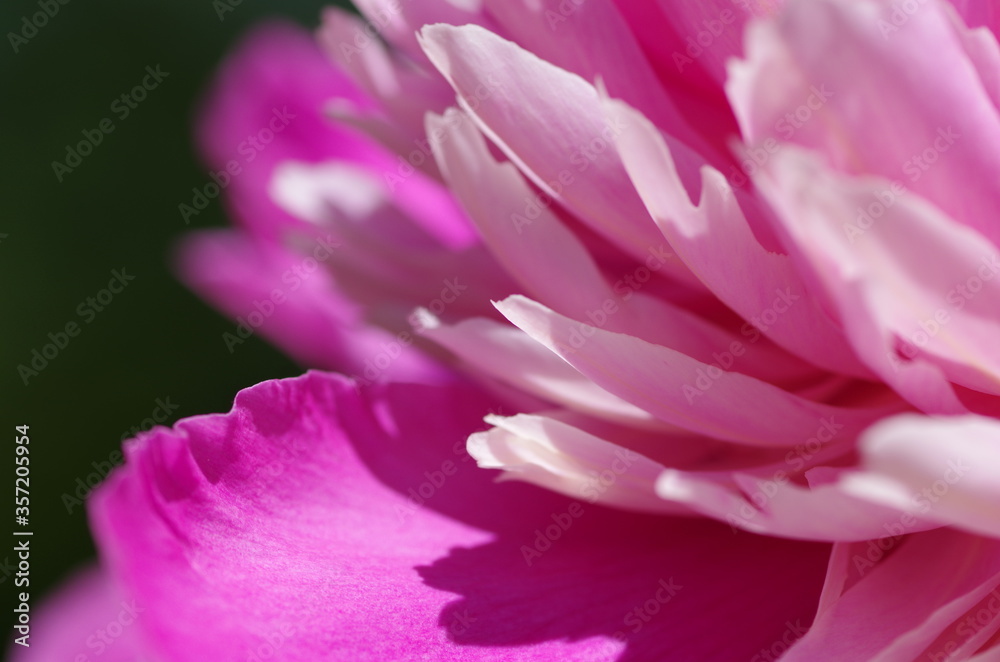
(710, 289)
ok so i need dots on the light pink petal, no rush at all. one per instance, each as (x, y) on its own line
(941, 468)
(292, 523)
(87, 618)
(551, 264)
(541, 253)
(593, 41)
(670, 448)
(909, 317)
(549, 453)
(403, 91)
(399, 22)
(549, 123)
(715, 240)
(680, 390)
(842, 571)
(772, 503)
(980, 43)
(810, 77)
(506, 353)
(901, 610)
(992, 654)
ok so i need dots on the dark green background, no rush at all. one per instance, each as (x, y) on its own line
(117, 209)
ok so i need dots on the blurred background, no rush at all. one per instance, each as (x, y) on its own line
(154, 349)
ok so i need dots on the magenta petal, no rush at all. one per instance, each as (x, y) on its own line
(87, 619)
(979, 14)
(293, 523)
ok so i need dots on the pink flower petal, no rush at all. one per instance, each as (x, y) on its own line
(508, 354)
(909, 318)
(923, 611)
(549, 453)
(771, 503)
(399, 22)
(293, 525)
(714, 239)
(810, 77)
(551, 263)
(404, 93)
(679, 389)
(593, 41)
(512, 95)
(941, 468)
